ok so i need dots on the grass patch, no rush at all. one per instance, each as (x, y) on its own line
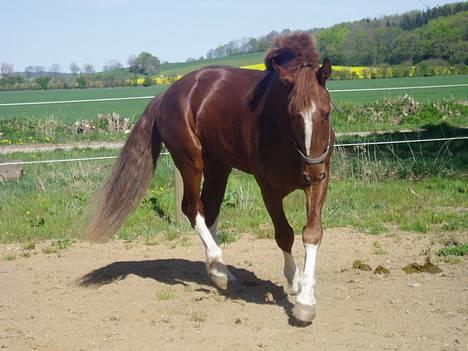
(57, 245)
(164, 294)
(456, 250)
(226, 237)
(29, 245)
(378, 250)
(49, 250)
(199, 317)
(9, 258)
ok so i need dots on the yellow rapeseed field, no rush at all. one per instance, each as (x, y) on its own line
(358, 72)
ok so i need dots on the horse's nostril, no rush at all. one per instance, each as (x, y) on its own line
(322, 176)
(307, 178)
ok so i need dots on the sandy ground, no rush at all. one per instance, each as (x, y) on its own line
(131, 296)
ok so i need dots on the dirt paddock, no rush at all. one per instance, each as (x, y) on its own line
(132, 296)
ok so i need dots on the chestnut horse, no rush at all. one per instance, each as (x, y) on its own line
(275, 125)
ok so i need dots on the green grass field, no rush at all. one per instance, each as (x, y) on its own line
(376, 195)
(76, 111)
(134, 108)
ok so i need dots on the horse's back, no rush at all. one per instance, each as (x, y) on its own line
(210, 109)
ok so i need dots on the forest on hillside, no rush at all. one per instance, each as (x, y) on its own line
(439, 33)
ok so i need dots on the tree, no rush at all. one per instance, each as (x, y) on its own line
(6, 69)
(43, 82)
(112, 65)
(39, 69)
(147, 81)
(82, 82)
(144, 63)
(74, 68)
(29, 70)
(55, 68)
(88, 68)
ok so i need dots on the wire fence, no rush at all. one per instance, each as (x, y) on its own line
(363, 144)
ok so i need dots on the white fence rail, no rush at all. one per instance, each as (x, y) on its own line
(151, 96)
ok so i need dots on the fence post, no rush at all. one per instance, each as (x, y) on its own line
(11, 172)
(179, 190)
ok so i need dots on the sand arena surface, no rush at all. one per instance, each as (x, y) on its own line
(131, 296)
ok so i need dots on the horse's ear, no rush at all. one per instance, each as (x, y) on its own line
(324, 72)
(283, 73)
(275, 61)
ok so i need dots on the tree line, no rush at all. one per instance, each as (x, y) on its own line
(113, 74)
(440, 33)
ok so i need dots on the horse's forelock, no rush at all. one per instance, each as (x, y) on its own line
(292, 51)
(303, 90)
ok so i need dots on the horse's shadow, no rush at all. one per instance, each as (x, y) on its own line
(249, 287)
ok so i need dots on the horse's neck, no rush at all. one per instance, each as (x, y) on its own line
(275, 134)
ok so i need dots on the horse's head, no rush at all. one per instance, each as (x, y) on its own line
(309, 103)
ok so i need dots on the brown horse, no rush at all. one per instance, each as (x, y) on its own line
(275, 125)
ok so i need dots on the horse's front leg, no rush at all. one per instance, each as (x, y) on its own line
(284, 236)
(304, 309)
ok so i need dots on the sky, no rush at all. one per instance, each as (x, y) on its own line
(44, 32)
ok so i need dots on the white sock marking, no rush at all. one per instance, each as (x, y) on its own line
(307, 294)
(292, 273)
(213, 230)
(308, 126)
(213, 251)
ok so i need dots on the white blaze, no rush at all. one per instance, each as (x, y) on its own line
(307, 294)
(307, 116)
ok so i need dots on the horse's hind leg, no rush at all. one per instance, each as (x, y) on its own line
(191, 167)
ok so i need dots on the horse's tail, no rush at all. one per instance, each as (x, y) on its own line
(130, 178)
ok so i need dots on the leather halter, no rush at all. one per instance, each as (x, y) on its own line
(317, 160)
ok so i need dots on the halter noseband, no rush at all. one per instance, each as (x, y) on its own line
(317, 160)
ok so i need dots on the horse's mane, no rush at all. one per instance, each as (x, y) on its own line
(290, 51)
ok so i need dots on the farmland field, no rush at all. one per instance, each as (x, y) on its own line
(133, 108)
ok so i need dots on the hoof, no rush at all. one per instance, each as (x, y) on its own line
(220, 275)
(304, 313)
